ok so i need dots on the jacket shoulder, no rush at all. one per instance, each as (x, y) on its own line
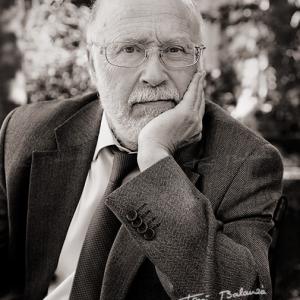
(228, 135)
(32, 126)
(31, 117)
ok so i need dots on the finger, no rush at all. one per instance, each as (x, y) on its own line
(197, 137)
(190, 95)
(200, 93)
(202, 111)
(202, 105)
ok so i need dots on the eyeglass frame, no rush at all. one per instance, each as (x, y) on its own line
(103, 50)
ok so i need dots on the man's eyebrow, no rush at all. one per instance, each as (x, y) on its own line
(146, 40)
(135, 39)
(176, 39)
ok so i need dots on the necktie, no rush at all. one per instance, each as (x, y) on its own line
(100, 236)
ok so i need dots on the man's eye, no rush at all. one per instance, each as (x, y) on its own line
(175, 50)
(131, 49)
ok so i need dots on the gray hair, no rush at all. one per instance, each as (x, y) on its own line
(192, 5)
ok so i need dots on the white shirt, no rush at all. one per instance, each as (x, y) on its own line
(93, 191)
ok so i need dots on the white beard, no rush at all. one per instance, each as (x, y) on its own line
(126, 120)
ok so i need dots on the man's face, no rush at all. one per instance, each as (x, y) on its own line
(131, 97)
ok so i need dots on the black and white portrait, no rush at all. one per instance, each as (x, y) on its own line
(149, 149)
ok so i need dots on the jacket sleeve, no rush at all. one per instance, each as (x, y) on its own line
(4, 230)
(198, 250)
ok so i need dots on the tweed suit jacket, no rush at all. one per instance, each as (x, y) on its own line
(210, 207)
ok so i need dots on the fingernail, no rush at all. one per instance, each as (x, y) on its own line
(203, 73)
(203, 77)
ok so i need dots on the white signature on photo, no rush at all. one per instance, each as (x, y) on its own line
(227, 294)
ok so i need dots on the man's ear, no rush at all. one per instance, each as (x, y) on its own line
(91, 66)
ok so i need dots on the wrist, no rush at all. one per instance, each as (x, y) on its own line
(148, 156)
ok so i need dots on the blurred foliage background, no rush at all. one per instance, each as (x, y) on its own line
(55, 63)
(252, 61)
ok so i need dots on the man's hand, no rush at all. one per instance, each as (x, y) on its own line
(174, 128)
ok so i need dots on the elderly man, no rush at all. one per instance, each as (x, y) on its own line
(138, 195)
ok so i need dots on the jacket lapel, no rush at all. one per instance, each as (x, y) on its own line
(56, 181)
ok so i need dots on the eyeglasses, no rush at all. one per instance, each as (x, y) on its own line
(132, 55)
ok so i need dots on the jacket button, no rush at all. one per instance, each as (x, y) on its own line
(142, 228)
(137, 222)
(149, 235)
(132, 215)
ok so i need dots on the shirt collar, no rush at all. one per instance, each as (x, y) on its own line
(106, 138)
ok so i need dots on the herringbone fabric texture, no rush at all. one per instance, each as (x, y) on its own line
(100, 236)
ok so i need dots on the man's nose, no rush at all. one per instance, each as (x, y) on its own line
(153, 73)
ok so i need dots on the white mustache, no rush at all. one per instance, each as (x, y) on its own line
(148, 94)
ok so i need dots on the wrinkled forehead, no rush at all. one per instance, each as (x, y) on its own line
(150, 17)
